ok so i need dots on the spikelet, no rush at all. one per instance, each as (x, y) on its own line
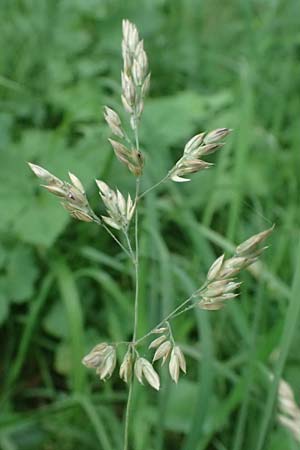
(144, 369)
(177, 363)
(135, 78)
(162, 352)
(132, 158)
(289, 411)
(73, 195)
(126, 366)
(158, 341)
(120, 211)
(220, 284)
(103, 359)
(199, 145)
(114, 122)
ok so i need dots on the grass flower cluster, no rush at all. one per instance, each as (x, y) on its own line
(221, 282)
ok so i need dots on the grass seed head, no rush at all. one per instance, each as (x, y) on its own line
(199, 145)
(94, 358)
(120, 211)
(130, 157)
(143, 368)
(215, 268)
(156, 343)
(113, 121)
(73, 195)
(135, 78)
(209, 305)
(162, 351)
(76, 183)
(177, 363)
(193, 144)
(108, 364)
(216, 135)
(289, 411)
(45, 176)
(249, 248)
(159, 330)
(126, 366)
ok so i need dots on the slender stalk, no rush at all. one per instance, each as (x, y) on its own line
(127, 415)
(188, 308)
(171, 333)
(154, 186)
(136, 300)
(129, 246)
(100, 222)
(176, 312)
(117, 241)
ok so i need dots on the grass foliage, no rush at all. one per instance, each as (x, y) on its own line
(64, 286)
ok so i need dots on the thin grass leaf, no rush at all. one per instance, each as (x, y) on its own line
(290, 327)
(70, 298)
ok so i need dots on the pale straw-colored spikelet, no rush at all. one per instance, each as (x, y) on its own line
(215, 135)
(114, 122)
(177, 363)
(157, 342)
(215, 268)
(159, 330)
(94, 358)
(144, 369)
(103, 359)
(199, 145)
(135, 78)
(220, 283)
(73, 195)
(289, 411)
(132, 158)
(162, 352)
(120, 211)
(45, 176)
(249, 247)
(135, 83)
(165, 349)
(126, 366)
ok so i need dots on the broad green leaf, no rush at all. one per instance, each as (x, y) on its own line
(34, 216)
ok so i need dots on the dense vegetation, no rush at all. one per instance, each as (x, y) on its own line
(64, 285)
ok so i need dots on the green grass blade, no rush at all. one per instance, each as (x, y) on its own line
(70, 298)
(290, 326)
(248, 375)
(242, 148)
(29, 328)
(97, 423)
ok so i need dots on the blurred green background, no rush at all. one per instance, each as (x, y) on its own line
(64, 286)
